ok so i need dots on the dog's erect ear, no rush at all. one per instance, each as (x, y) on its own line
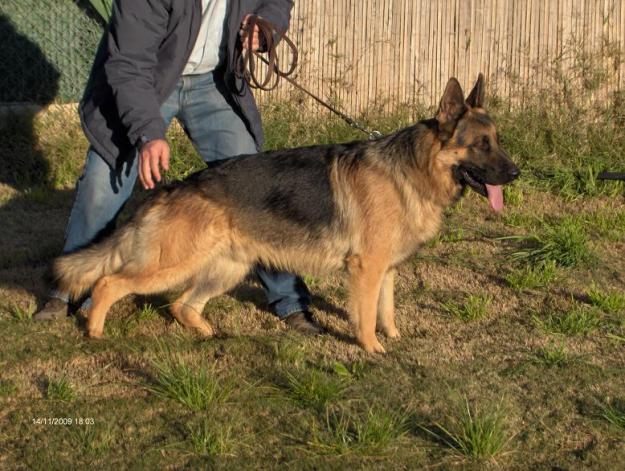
(476, 97)
(451, 109)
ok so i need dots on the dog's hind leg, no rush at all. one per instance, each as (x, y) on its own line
(364, 290)
(111, 288)
(221, 277)
(106, 292)
(386, 308)
(187, 309)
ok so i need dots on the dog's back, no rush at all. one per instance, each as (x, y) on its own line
(363, 206)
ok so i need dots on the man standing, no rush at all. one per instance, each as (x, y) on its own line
(161, 59)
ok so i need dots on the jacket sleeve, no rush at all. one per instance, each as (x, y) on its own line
(277, 12)
(136, 30)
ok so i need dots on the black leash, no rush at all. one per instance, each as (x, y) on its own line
(611, 176)
(269, 38)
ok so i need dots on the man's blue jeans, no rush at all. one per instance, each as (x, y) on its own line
(217, 133)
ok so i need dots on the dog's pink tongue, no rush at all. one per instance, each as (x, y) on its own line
(495, 197)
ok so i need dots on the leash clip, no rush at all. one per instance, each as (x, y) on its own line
(375, 135)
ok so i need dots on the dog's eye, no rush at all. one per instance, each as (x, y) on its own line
(485, 144)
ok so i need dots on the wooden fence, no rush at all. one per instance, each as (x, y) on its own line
(381, 53)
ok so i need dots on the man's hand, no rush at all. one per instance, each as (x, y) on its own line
(152, 156)
(255, 35)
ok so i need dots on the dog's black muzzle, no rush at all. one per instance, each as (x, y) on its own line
(477, 178)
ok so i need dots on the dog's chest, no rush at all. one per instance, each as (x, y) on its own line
(422, 225)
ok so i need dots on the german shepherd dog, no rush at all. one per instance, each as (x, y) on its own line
(363, 207)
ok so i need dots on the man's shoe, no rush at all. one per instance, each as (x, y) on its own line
(54, 309)
(302, 322)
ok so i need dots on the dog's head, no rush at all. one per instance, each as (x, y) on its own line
(470, 143)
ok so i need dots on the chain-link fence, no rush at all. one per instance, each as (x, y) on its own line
(47, 47)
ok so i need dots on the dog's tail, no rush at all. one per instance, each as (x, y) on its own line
(75, 273)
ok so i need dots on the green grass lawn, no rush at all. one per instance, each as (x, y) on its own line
(512, 348)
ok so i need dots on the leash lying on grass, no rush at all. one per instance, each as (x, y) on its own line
(268, 37)
(611, 176)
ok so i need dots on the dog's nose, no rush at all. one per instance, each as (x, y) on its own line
(514, 172)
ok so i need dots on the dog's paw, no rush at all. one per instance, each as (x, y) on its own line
(95, 333)
(372, 345)
(391, 332)
(205, 330)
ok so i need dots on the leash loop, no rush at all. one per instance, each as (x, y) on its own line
(245, 66)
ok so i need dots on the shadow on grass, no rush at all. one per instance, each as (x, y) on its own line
(246, 292)
(323, 305)
(421, 426)
(32, 81)
(32, 211)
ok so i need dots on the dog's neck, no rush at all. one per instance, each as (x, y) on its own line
(416, 152)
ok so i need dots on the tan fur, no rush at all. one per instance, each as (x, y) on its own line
(185, 239)
(210, 255)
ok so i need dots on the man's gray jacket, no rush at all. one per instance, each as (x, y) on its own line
(140, 60)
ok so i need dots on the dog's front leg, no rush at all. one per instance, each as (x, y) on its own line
(364, 289)
(386, 308)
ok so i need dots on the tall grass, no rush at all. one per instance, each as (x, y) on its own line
(475, 307)
(611, 302)
(552, 356)
(194, 385)
(24, 314)
(209, 438)
(472, 432)
(314, 388)
(579, 320)
(533, 276)
(614, 413)
(374, 433)
(60, 389)
(564, 242)
(287, 126)
(93, 440)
